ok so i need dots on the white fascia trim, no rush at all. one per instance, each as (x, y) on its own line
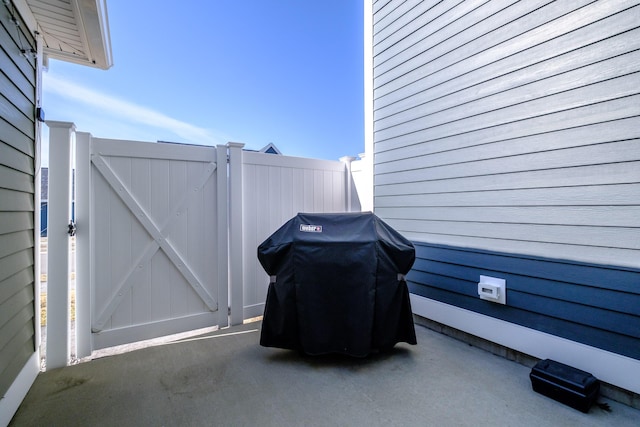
(93, 21)
(10, 402)
(609, 367)
(103, 17)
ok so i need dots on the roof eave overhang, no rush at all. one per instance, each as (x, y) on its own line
(93, 24)
(91, 21)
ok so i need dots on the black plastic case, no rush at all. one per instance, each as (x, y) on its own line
(571, 386)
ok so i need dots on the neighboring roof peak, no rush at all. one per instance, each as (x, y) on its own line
(270, 149)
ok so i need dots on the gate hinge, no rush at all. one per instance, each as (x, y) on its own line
(72, 228)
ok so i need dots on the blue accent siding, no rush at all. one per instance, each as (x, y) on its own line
(44, 215)
(597, 305)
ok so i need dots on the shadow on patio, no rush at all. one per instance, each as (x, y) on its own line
(226, 378)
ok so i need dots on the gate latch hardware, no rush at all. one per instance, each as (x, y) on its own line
(72, 228)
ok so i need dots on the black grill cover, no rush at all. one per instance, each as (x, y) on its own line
(338, 285)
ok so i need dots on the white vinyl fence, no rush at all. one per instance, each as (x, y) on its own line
(167, 234)
(275, 189)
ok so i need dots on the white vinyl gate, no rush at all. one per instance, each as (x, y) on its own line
(167, 233)
(154, 248)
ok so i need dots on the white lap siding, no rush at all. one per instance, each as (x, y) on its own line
(510, 126)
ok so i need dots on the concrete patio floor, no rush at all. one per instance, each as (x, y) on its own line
(226, 379)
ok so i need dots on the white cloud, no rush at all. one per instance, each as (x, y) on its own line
(127, 111)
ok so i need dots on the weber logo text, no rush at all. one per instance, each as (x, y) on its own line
(308, 228)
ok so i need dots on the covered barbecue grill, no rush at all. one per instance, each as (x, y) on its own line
(337, 285)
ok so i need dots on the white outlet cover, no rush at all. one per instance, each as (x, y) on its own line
(493, 289)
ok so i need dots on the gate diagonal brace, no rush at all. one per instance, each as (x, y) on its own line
(158, 241)
(127, 283)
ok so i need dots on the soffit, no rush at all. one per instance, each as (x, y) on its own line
(74, 30)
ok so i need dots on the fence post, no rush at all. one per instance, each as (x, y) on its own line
(222, 204)
(61, 135)
(347, 162)
(84, 278)
(235, 233)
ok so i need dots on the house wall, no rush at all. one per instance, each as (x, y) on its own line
(506, 144)
(18, 217)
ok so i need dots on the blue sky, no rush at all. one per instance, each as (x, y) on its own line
(287, 72)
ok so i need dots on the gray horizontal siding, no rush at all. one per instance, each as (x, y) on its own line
(477, 161)
(550, 127)
(507, 143)
(378, 6)
(511, 126)
(16, 180)
(15, 221)
(593, 304)
(17, 81)
(506, 47)
(11, 243)
(15, 140)
(17, 186)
